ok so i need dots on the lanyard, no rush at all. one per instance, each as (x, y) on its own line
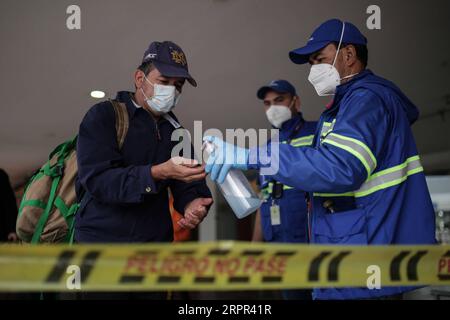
(277, 189)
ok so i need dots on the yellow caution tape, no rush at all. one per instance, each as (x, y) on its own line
(218, 266)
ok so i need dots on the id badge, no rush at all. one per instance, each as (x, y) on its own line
(275, 218)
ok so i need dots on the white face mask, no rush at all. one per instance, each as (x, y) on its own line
(277, 115)
(164, 97)
(324, 77)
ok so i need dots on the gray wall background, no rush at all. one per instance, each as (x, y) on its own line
(233, 47)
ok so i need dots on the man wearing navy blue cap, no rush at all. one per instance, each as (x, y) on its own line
(283, 214)
(126, 189)
(364, 177)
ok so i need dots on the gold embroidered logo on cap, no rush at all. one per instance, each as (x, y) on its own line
(178, 57)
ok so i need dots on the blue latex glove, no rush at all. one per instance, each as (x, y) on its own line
(225, 157)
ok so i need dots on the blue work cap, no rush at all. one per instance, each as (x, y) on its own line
(280, 86)
(328, 32)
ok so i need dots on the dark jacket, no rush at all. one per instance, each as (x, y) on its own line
(8, 207)
(292, 203)
(122, 202)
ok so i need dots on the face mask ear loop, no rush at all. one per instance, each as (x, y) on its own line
(144, 94)
(292, 104)
(340, 43)
(146, 79)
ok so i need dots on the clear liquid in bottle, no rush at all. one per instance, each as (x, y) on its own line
(236, 189)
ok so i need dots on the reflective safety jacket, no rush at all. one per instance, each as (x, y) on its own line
(364, 174)
(292, 226)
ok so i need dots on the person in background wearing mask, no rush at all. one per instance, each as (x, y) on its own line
(364, 176)
(283, 214)
(126, 191)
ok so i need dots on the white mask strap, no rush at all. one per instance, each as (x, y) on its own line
(340, 43)
(349, 76)
(294, 98)
(149, 81)
(144, 94)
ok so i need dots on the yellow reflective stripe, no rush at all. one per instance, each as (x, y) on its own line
(383, 179)
(364, 146)
(355, 147)
(328, 124)
(327, 127)
(303, 139)
(388, 184)
(301, 142)
(353, 152)
(396, 168)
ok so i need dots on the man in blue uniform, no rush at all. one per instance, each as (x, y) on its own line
(364, 176)
(283, 214)
(126, 191)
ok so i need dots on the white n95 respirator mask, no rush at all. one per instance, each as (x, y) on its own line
(277, 115)
(324, 77)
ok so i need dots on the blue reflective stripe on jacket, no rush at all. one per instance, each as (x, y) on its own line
(293, 211)
(365, 173)
(123, 202)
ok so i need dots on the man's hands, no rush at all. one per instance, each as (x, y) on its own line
(186, 170)
(195, 212)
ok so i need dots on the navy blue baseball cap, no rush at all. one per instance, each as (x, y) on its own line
(327, 32)
(169, 59)
(280, 86)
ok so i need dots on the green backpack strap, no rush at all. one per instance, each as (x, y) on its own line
(55, 171)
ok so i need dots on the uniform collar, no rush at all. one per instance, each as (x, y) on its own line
(126, 97)
(344, 88)
(290, 126)
(135, 104)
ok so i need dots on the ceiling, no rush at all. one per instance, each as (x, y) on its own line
(233, 47)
